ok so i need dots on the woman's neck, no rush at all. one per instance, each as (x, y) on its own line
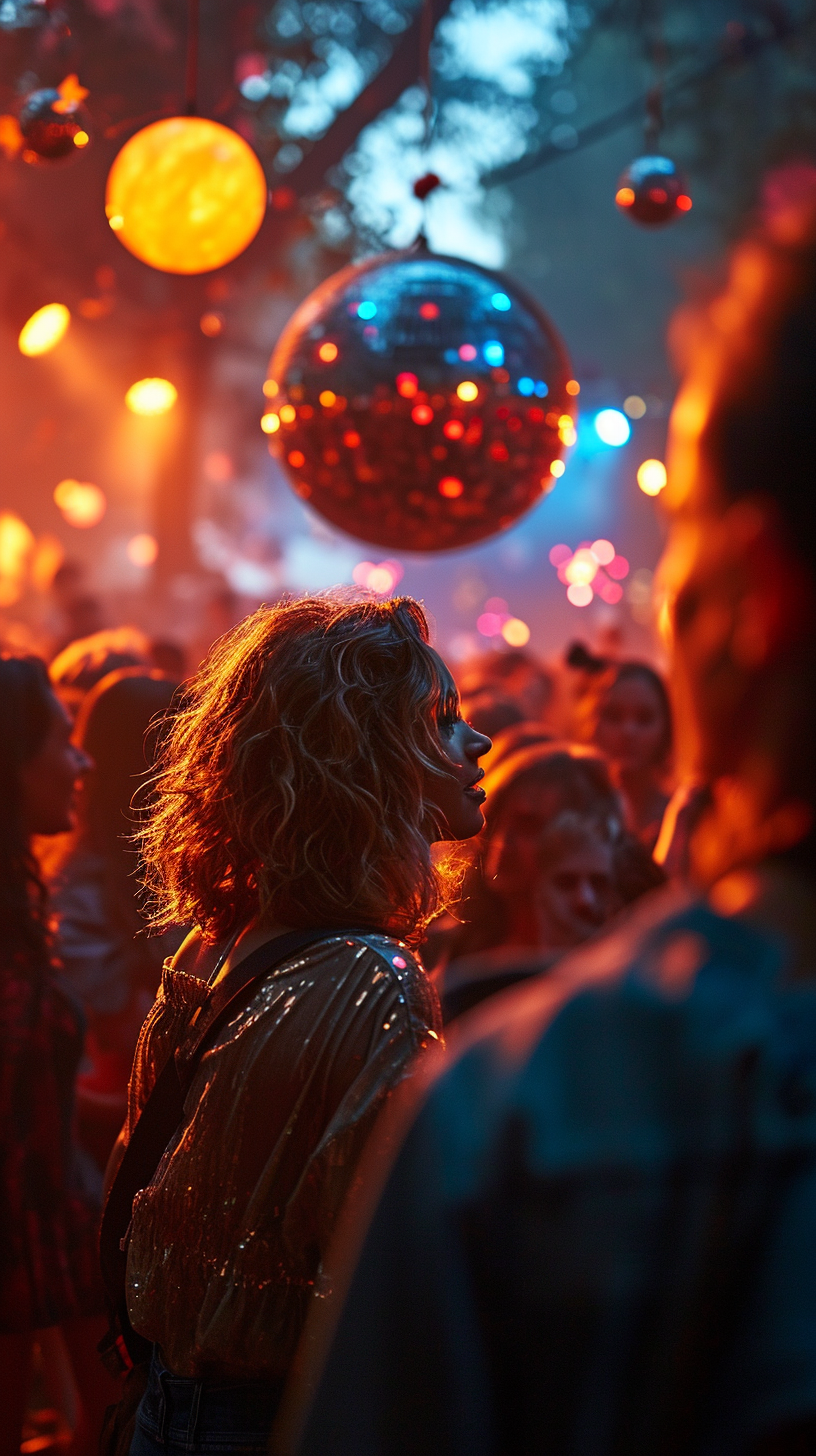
(250, 939)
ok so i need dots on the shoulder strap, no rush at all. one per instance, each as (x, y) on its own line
(161, 1117)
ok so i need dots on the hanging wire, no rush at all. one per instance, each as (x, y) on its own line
(191, 71)
(624, 115)
(424, 186)
(654, 97)
(425, 43)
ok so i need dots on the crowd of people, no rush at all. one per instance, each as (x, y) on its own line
(396, 1060)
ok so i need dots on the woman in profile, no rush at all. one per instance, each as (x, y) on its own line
(48, 1264)
(319, 755)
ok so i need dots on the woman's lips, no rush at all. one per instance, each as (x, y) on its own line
(476, 793)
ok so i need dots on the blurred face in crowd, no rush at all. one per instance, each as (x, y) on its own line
(50, 780)
(631, 728)
(512, 865)
(575, 893)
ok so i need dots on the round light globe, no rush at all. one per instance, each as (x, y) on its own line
(186, 195)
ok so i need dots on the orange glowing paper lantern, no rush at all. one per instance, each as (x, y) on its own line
(186, 195)
(81, 504)
(43, 331)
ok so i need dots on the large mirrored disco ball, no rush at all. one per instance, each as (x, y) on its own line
(419, 402)
(53, 128)
(653, 191)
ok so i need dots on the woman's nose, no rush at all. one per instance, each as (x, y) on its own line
(479, 745)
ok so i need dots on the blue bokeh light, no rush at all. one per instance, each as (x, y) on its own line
(612, 427)
(541, 389)
(366, 309)
(493, 352)
(501, 302)
(526, 385)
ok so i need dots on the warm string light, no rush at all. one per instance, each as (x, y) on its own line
(44, 330)
(151, 397)
(651, 477)
(81, 504)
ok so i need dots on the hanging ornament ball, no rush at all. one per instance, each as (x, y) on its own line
(186, 195)
(54, 125)
(653, 191)
(420, 402)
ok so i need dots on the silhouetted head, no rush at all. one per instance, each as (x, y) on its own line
(738, 575)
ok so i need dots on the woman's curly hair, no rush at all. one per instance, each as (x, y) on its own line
(292, 783)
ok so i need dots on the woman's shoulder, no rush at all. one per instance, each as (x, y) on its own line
(389, 971)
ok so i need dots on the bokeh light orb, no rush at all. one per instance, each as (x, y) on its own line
(142, 549)
(151, 397)
(652, 477)
(653, 191)
(81, 504)
(43, 330)
(186, 195)
(612, 427)
(420, 401)
(54, 124)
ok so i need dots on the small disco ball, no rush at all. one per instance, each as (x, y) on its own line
(53, 128)
(420, 402)
(653, 191)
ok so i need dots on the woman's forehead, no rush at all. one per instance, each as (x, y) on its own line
(635, 689)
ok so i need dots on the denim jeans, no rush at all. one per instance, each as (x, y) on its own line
(181, 1417)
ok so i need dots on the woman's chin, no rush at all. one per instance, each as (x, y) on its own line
(473, 822)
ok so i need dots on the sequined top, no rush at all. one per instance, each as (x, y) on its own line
(226, 1241)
